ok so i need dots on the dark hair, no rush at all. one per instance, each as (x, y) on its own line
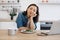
(35, 19)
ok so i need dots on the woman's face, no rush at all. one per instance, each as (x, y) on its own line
(31, 11)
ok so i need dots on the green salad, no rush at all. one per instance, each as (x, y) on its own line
(29, 30)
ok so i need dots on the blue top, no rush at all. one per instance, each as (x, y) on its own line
(22, 20)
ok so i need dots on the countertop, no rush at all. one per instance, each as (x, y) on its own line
(20, 36)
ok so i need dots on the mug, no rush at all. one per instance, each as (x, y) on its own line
(11, 31)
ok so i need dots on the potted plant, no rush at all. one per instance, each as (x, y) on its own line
(13, 13)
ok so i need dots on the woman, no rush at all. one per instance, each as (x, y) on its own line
(27, 20)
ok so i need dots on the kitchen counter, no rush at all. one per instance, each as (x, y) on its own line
(19, 36)
(7, 25)
(6, 20)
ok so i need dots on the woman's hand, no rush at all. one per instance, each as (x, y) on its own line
(22, 28)
(33, 15)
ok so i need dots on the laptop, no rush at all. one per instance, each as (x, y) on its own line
(55, 28)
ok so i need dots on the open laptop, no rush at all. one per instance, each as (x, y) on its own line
(55, 28)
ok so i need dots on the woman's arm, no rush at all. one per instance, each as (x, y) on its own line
(31, 23)
(19, 22)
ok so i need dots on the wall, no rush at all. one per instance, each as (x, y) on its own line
(24, 3)
(49, 12)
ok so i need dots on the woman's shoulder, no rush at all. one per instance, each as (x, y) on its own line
(21, 13)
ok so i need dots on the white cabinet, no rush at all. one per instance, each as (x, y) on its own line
(7, 25)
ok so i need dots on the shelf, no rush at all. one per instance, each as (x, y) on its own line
(8, 3)
(49, 3)
(8, 6)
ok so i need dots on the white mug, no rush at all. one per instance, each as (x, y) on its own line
(11, 31)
